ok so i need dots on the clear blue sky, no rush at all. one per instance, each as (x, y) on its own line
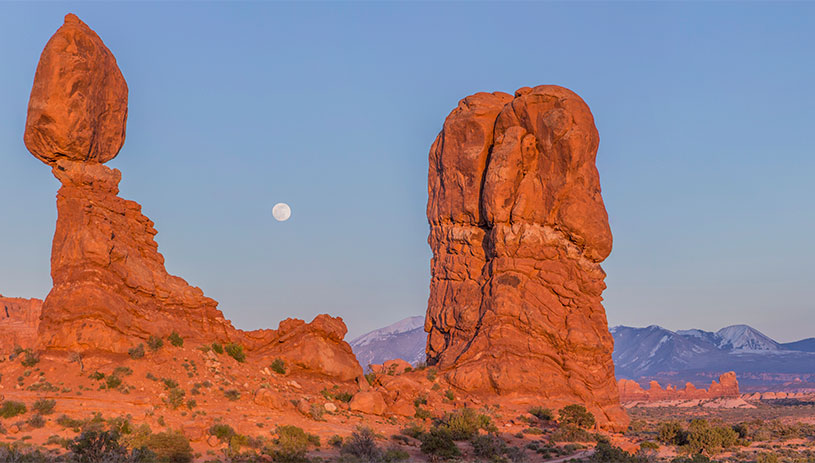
(705, 112)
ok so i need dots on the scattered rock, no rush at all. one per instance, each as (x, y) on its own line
(370, 402)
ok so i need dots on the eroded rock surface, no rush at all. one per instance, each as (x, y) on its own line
(726, 387)
(19, 321)
(111, 290)
(518, 230)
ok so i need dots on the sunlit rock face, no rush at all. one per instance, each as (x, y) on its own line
(19, 321)
(111, 290)
(518, 230)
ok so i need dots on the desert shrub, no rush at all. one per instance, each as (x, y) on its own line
(704, 438)
(361, 445)
(14, 454)
(192, 403)
(292, 444)
(543, 414)
(693, 459)
(223, 432)
(36, 421)
(672, 433)
(607, 453)
(44, 406)
(422, 413)
(121, 425)
(169, 383)
(175, 339)
(66, 422)
(155, 343)
(232, 394)
(10, 409)
(136, 352)
(113, 382)
(464, 424)
(449, 395)
(767, 458)
(278, 366)
(576, 415)
(122, 371)
(97, 376)
(175, 398)
(438, 443)
(571, 433)
(395, 454)
(413, 430)
(344, 396)
(648, 445)
(217, 348)
(96, 447)
(235, 351)
(316, 412)
(168, 447)
(370, 377)
(420, 399)
(335, 441)
(489, 447)
(29, 358)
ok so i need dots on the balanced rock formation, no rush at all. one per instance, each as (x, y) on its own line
(726, 387)
(19, 321)
(111, 289)
(518, 230)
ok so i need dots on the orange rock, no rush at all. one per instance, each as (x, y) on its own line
(111, 289)
(370, 402)
(19, 322)
(403, 407)
(726, 387)
(78, 105)
(518, 231)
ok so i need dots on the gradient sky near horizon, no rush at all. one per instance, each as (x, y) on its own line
(705, 112)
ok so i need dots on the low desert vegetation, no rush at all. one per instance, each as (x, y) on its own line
(136, 352)
(155, 343)
(235, 351)
(175, 339)
(278, 366)
(11, 408)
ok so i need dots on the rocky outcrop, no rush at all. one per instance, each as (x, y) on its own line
(111, 290)
(726, 387)
(518, 230)
(19, 321)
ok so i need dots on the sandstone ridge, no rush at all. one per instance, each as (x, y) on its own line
(726, 387)
(518, 230)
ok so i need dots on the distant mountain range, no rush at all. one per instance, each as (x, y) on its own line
(652, 353)
(404, 340)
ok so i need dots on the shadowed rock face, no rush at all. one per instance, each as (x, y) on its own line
(518, 230)
(111, 290)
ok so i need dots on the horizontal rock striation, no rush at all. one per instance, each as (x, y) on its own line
(518, 230)
(19, 322)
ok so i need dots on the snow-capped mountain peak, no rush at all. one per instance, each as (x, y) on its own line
(402, 326)
(745, 338)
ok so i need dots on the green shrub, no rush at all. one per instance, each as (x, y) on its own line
(175, 339)
(97, 376)
(449, 395)
(413, 430)
(10, 409)
(175, 398)
(464, 424)
(344, 396)
(44, 406)
(279, 366)
(223, 432)
(36, 421)
(335, 441)
(576, 415)
(421, 399)
(571, 433)
(292, 444)
(232, 394)
(29, 358)
(235, 351)
(439, 444)
(155, 343)
(169, 383)
(706, 439)
(489, 447)
(122, 371)
(395, 454)
(96, 447)
(543, 414)
(168, 447)
(672, 433)
(219, 349)
(361, 444)
(113, 382)
(648, 445)
(767, 458)
(136, 352)
(607, 453)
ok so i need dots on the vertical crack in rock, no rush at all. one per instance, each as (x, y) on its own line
(518, 229)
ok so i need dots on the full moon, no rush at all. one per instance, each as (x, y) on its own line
(281, 212)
